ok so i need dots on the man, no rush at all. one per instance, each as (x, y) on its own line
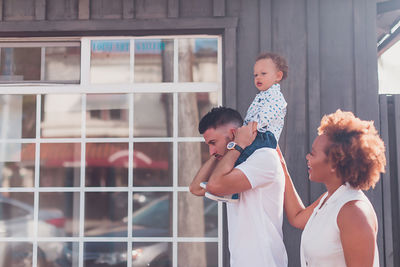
(255, 221)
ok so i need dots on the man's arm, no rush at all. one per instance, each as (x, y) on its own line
(226, 179)
(202, 176)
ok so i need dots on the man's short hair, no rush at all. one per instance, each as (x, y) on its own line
(220, 116)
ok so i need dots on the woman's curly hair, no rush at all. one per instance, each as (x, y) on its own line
(356, 150)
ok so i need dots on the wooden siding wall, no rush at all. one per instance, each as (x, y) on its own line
(330, 47)
(390, 182)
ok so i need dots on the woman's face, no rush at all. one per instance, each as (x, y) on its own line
(319, 168)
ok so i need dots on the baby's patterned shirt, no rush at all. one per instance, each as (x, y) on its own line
(268, 109)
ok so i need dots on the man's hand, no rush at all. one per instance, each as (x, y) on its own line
(245, 135)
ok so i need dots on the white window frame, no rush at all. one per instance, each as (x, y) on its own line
(85, 87)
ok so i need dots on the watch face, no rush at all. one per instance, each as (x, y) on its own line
(230, 145)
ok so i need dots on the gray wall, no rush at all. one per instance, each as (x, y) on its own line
(330, 47)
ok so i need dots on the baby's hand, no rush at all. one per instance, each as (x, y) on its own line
(245, 135)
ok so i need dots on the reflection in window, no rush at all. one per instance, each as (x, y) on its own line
(206, 254)
(16, 215)
(106, 214)
(20, 64)
(60, 164)
(191, 155)
(154, 60)
(18, 254)
(192, 107)
(61, 116)
(62, 212)
(152, 254)
(203, 223)
(107, 115)
(152, 164)
(103, 254)
(152, 115)
(62, 64)
(110, 61)
(17, 165)
(107, 164)
(17, 116)
(198, 60)
(152, 214)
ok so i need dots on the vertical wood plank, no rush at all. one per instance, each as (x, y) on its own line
(219, 8)
(386, 227)
(84, 9)
(336, 55)
(1, 10)
(289, 39)
(313, 82)
(128, 9)
(395, 175)
(248, 48)
(230, 69)
(173, 8)
(40, 9)
(265, 25)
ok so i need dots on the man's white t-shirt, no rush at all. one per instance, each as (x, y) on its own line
(255, 222)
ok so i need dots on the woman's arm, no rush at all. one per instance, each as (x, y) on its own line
(358, 227)
(296, 213)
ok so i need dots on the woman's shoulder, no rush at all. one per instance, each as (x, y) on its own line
(357, 213)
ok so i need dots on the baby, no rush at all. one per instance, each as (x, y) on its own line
(268, 110)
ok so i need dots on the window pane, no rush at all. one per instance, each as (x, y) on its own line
(61, 116)
(201, 223)
(17, 116)
(107, 115)
(104, 254)
(198, 60)
(60, 164)
(16, 214)
(61, 211)
(191, 156)
(106, 214)
(62, 64)
(152, 164)
(17, 254)
(154, 60)
(206, 254)
(107, 164)
(20, 64)
(110, 61)
(69, 256)
(63, 254)
(17, 165)
(192, 107)
(152, 254)
(152, 115)
(152, 214)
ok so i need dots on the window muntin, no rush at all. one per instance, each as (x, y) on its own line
(87, 206)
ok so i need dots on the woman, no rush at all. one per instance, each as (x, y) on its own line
(340, 227)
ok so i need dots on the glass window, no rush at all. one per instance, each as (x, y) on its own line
(17, 116)
(110, 61)
(62, 64)
(61, 115)
(107, 115)
(198, 61)
(154, 59)
(100, 162)
(158, 118)
(36, 62)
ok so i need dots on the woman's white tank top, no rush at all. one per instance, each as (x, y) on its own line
(320, 241)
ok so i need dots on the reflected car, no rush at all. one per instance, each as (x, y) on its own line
(17, 220)
(151, 220)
